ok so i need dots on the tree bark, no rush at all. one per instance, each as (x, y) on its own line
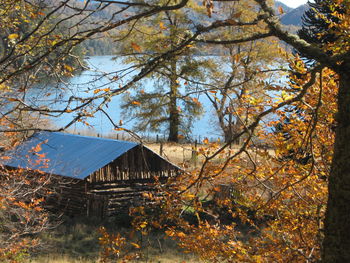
(174, 116)
(336, 244)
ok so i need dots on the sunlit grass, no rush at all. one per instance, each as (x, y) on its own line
(77, 241)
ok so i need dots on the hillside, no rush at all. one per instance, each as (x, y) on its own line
(294, 16)
(102, 45)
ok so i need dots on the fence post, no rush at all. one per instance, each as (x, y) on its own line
(194, 154)
(161, 149)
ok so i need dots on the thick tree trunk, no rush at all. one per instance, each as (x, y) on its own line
(336, 244)
(174, 116)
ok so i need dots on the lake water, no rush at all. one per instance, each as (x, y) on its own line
(94, 78)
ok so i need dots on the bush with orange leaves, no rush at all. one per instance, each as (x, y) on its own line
(22, 216)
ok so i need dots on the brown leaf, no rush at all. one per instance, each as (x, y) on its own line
(231, 22)
(237, 15)
(136, 47)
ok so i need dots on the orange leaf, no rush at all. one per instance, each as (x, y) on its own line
(206, 141)
(136, 47)
(42, 155)
(136, 102)
(280, 10)
(37, 148)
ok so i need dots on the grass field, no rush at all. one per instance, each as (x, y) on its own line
(76, 241)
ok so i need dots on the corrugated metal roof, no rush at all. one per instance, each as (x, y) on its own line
(69, 155)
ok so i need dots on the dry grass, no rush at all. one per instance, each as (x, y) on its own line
(179, 154)
(163, 258)
(76, 241)
(60, 259)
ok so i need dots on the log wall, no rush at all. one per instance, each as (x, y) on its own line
(138, 164)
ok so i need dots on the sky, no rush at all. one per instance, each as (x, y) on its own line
(293, 3)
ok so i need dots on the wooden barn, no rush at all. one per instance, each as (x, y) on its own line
(90, 175)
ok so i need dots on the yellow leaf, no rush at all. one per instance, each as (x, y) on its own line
(161, 25)
(135, 245)
(143, 224)
(190, 195)
(13, 36)
(136, 47)
(69, 68)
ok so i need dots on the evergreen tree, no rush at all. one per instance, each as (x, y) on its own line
(317, 22)
(165, 107)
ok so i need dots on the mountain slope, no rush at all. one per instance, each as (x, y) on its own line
(294, 17)
(285, 8)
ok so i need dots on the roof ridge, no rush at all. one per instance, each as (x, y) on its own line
(88, 137)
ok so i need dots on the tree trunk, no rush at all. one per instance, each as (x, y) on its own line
(174, 116)
(336, 244)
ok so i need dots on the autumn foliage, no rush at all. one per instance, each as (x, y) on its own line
(266, 204)
(262, 201)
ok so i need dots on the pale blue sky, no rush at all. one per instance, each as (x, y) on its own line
(293, 3)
